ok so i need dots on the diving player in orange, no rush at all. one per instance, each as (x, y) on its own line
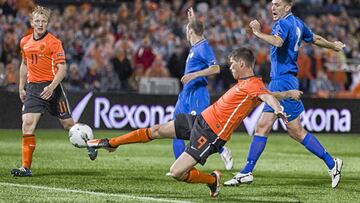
(210, 130)
(42, 69)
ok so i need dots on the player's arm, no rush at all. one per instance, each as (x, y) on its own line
(22, 80)
(322, 42)
(271, 39)
(274, 104)
(292, 94)
(212, 70)
(59, 76)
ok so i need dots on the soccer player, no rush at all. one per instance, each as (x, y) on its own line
(194, 97)
(42, 69)
(287, 33)
(211, 129)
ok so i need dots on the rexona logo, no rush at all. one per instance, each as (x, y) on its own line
(142, 116)
(137, 116)
(323, 120)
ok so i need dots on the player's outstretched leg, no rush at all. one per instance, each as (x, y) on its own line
(141, 135)
(245, 175)
(226, 156)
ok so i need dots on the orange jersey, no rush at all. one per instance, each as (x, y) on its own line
(41, 57)
(225, 115)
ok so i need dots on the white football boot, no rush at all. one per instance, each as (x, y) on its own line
(335, 173)
(226, 156)
(240, 178)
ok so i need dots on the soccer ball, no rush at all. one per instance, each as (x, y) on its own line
(79, 134)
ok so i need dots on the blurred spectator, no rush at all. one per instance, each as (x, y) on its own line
(157, 69)
(12, 75)
(322, 86)
(144, 57)
(142, 29)
(304, 74)
(73, 80)
(123, 68)
(92, 79)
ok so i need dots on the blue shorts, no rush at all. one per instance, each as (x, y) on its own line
(192, 101)
(292, 107)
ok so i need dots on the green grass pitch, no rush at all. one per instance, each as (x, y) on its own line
(136, 173)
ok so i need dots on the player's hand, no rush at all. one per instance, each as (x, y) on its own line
(294, 94)
(338, 46)
(255, 26)
(282, 115)
(191, 14)
(188, 77)
(46, 93)
(22, 94)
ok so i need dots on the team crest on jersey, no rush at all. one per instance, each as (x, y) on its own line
(42, 47)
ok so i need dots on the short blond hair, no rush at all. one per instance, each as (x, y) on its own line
(41, 10)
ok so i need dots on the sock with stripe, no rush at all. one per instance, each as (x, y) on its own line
(196, 176)
(137, 136)
(256, 148)
(28, 148)
(313, 145)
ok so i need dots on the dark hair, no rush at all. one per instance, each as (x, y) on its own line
(245, 54)
(197, 26)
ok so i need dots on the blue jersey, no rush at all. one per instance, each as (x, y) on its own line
(292, 31)
(201, 56)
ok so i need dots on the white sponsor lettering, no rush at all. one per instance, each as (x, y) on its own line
(137, 116)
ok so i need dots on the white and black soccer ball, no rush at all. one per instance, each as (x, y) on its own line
(79, 134)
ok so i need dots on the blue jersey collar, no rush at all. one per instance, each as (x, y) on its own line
(199, 42)
(289, 14)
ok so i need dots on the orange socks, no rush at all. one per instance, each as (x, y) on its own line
(28, 147)
(141, 135)
(196, 176)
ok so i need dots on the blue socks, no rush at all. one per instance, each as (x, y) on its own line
(178, 147)
(313, 145)
(256, 148)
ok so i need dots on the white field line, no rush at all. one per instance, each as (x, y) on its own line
(93, 193)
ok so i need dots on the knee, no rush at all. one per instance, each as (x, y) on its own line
(262, 129)
(28, 125)
(298, 133)
(67, 124)
(177, 175)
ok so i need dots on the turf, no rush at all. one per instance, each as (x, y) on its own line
(136, 173)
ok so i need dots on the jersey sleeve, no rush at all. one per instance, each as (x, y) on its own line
(281, 29)
(308, 35)
(207, 54)
(257, 88)
(58, 53)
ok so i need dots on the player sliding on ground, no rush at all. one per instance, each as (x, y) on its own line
(210, 130)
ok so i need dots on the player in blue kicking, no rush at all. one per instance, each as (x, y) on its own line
(287, 33)
(194, 97)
